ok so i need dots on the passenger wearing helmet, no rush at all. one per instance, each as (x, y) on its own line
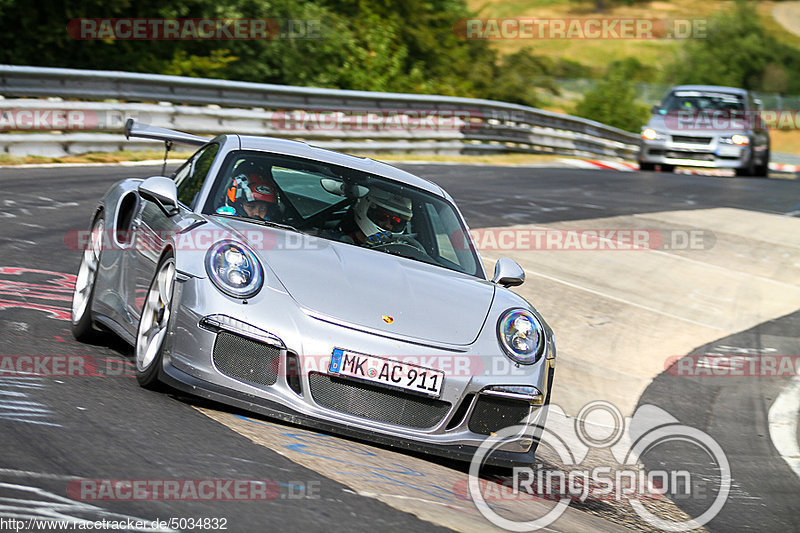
(380, 217)
(252, 195)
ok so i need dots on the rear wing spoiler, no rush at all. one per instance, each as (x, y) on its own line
(146, 131)
(170, 137)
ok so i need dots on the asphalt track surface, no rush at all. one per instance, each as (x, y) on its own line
(54, 431)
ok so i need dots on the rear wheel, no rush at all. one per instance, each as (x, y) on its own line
(154, 323)
(667, 168)
(81, 321)
(646, 166)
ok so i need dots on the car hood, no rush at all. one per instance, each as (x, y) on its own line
(697, 124)
(375, 291)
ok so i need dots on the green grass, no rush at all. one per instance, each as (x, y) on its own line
(597, 54)
(93, 157)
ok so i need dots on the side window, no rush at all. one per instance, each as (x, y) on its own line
(443, 243)
(190, 177)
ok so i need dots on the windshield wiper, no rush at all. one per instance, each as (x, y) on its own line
(399, 252)
(263, 222)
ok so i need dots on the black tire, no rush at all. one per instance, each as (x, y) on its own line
(81, 322)
(762, 170)
(748, 169)
(646, 166)
(666, 168)
(148, 359)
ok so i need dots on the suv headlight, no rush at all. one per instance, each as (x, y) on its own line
(740, 140)
(234, 269)
(649, 134)
(521, 335)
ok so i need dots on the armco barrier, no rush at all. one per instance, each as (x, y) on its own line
(207, 106)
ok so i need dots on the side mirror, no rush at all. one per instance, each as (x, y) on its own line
(161, 191)
(508, 273)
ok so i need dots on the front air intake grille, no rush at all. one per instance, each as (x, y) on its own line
(492, 413)
(376, 403)
(691, 140)
(461, 412)
(293, 373)
(246, 360)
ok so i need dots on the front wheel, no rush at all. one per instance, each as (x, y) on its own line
(81, 321)
(748, 169)
(154, 324)
(762, 170)
(646, 166)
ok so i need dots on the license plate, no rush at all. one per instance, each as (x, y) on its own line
(396, 374)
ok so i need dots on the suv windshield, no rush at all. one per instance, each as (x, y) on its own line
(342, 204)
(699, 101)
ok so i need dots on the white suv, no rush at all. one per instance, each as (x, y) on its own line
(706, 126)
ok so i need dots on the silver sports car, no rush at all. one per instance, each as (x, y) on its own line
(319, 288)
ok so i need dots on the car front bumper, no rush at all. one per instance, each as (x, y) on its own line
(197, 360)
(711, 154)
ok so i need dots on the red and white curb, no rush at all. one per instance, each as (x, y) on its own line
(782, 167)
(632, 167)
(604, 165)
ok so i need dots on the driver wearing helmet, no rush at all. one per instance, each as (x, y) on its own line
(380, 217)
(252, 195)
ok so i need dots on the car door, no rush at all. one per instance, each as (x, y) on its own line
(152, 228)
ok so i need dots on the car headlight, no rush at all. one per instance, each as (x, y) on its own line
(521, 336)
(234, 269)
(649, 134)
(740, 140)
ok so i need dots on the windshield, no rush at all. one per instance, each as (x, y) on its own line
(344, 205)
(697, 101)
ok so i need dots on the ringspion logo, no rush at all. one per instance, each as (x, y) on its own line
(629, 440)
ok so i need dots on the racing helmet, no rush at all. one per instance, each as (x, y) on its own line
(250, 185)
(381, 212)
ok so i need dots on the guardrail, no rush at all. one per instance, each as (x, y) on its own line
(338, 119)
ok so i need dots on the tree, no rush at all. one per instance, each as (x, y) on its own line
(738, 52)
(613, 101)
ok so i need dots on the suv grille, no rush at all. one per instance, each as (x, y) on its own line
(691, 140)
(376, 403)
(246, 360)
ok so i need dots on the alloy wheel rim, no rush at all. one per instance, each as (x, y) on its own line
(155, 316)
(87, 273)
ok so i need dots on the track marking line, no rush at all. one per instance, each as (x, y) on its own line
(680, 257)
(783, 424)
(36, 475)
(615, 298)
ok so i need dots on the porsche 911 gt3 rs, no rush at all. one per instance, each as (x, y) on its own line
(319, 288)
